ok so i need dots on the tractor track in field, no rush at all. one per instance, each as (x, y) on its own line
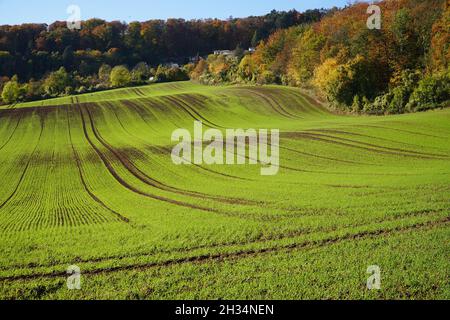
(139, 174)
(162, 186)
(191, 99)
(139, 92)
(191, 111)
(287, 98)
(315, 103)
(347, 133)
(140, 109)
(74, 100)
(262, 240)
(126, 184)
(218, 257)
(274, 105)
(400, 130)
(166, 150)
(317, 171)
(404, 151)
(26, 166)
(80, 171)
(285, 148)
(200, 118)
(319, 137)
(14, 131)
(325, 158)
(247, 157)
(221, 173)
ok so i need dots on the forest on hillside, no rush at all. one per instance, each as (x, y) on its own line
(401, 67)
(33, 50)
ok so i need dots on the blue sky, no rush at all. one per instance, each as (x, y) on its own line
(25, 11)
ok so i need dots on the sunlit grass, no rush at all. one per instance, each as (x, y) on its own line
(88, 180)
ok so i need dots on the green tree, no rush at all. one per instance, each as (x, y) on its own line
(247, 69)
(13, 92)
(120, 76)
(432, 92)
(10, 93)
(57, 82)
(407, 52)
(343, 82)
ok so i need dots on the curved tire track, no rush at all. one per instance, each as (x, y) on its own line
(26, 167)
(160, 185)
(14, 130)
(126, 184)
(217, 257)
(89, 192)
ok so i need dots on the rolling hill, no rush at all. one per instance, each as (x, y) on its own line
(88, 180)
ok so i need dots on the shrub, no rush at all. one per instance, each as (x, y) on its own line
(13, 92)
(165, 74)
(376, 107)
(267, 77)
(120, 76)
(358, 104)
(397, 100)
(432, 92)
(176, 74)
(34, 90)
(247, 69)
(55, 84)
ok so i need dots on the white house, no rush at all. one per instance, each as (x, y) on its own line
(223, 53)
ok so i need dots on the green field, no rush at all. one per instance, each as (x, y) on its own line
(88, 180)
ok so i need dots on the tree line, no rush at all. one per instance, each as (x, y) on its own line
(402, 67)
(33, 50)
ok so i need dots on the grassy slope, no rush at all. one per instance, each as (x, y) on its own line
(88, 180)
